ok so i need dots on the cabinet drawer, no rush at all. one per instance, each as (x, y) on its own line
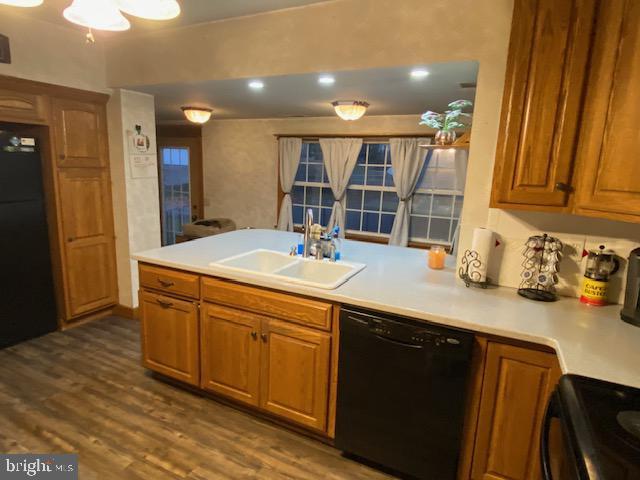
(21, 106)
(288, 307)
(170, 281)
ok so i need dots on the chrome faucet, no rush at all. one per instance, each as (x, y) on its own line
(308, 222)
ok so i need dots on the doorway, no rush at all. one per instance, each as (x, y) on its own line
(180, 178)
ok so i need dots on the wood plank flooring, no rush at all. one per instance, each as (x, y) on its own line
(84, 391)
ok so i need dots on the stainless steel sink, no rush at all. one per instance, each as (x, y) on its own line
(280, 266)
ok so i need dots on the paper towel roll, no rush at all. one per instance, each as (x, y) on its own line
(482, 243)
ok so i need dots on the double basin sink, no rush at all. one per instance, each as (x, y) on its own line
(292, 269)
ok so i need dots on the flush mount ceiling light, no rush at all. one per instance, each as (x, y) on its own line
(21, 3)
(96, 14)
(350, 109)
(419, 73)
(326, 80)
(197, 114)
(150, 9)
(256, 85)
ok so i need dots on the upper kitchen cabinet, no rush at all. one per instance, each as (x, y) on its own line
(568, 139)
(541, 105)
(79, 133)
(609, 181)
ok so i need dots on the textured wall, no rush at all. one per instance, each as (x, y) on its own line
(135, 200)
(240, 160)
(51, 53)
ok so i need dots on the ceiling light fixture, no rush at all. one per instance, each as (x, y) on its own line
(197, 114)
(97, 14)
(419, 73)
(21, 3)
(150, 9)
(256, 84)
(350, 109)
(326, 80)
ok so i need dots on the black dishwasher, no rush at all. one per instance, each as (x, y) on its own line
(401, 393)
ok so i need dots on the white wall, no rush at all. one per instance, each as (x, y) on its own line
(51, 53)
(135, 199)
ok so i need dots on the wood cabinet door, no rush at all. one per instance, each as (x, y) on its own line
(540, 108)
(609, 150)
(23, 107)
(80, 133)
(295, 373)
(516, 386)
(87, 230)
(230, 352)
(170, 336)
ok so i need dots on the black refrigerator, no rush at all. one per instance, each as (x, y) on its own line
(27, 306)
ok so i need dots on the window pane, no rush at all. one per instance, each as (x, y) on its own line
(370, 222)
(375, 175)
(371, 200)
(439, 229)
(314, 172)
(362, 156)
(442, 205)
(353, 220)
(390, 202)
(315, 153)
(298, 215)
(312, 196)
(303, 153)
(418, 227)
(388, 177)
(301, 173)
(377, 153)
(357, 177)
(354, 199)
(327, 197)
(457, 209)
(386, 223)
(420, 204)
(297, 195)
(325, 215)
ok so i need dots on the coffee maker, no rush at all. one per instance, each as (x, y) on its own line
(631, 311)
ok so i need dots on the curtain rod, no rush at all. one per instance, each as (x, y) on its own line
(362, 135)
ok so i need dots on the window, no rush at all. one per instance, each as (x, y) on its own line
(371, 201)
(176, 204)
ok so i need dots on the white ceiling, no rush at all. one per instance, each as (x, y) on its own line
(193, 11)
(390, 91)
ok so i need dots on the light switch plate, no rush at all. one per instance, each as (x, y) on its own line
(5, 52)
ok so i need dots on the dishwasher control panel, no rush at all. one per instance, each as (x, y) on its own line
(410, 334)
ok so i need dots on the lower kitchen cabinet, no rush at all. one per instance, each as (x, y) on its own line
(295, 373)
(170, 336)
(516, 385)
(230, 352)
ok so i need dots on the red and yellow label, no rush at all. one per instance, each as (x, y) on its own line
(594, 292)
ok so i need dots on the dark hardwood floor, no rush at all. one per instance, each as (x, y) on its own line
(84, 391)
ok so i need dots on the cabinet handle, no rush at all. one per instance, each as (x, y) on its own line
(164, 303)
(563, 187)
(263, 336)
(62, 156)
(254, 335)
(165, 283)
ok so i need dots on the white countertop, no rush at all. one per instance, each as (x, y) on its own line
(589, 341)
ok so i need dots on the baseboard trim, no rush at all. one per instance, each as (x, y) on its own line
(126, 312)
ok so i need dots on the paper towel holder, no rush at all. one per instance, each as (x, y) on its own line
(468, 271)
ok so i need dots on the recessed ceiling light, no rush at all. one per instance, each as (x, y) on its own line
(419, 73)
(256, 85)
(326, 80)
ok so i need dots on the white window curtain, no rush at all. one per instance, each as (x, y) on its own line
(289, 152)
(340, 156)
(407, 160)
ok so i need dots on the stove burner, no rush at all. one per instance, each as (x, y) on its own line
(630, 421)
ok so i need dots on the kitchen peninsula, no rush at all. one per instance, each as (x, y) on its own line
(184, 300)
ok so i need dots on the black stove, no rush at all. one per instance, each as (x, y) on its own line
(601, 426)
